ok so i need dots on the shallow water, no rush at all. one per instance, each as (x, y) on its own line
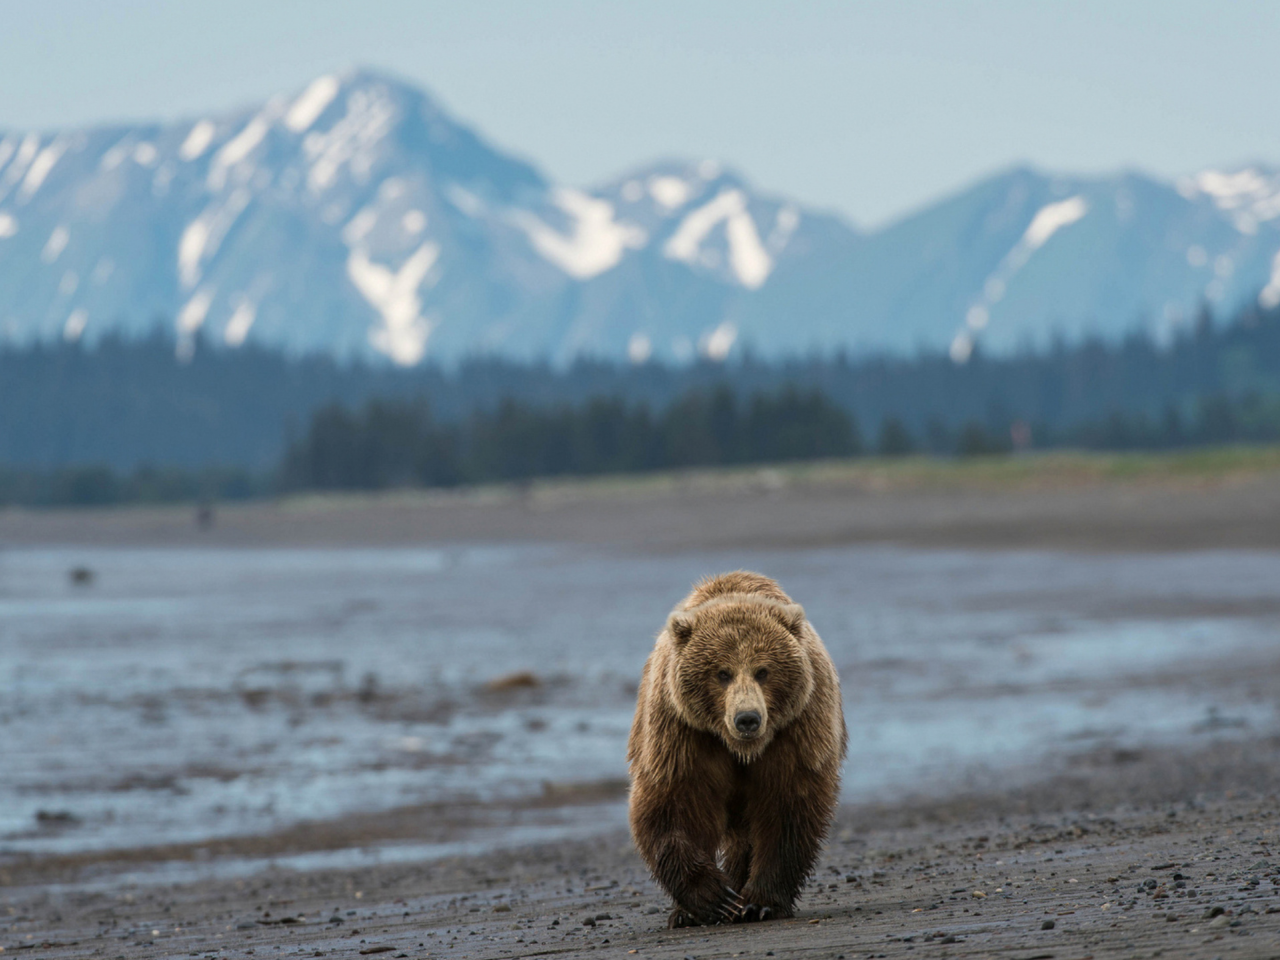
(189, 694)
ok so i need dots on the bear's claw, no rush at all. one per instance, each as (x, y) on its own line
(753, 912)
(729, 910)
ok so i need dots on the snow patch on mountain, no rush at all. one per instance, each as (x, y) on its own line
(313, 102)
(1047, 221)
(350, 142)
(716, 343)
(56, 243)
(670, 192)
(748, 258)
(203, 236)
(197, 140)
(23, 154)
(596, 241)
(1251, 196)
(237, 329)
(1052, 218)
(236, 150)
(639, 347)
(40, 168)
(74, 326)
(394, 294)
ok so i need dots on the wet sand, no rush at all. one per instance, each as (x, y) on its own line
(1073, 502)
(1158, 853)
(1129, 853)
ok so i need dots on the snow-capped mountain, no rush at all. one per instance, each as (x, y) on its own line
(356, 217)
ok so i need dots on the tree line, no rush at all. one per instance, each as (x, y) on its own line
(397, 443)
(125, 421)
(125, 404)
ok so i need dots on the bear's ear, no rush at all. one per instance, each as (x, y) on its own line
(681, 627)
(793, 617)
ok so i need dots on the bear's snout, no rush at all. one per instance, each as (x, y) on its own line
(746, 714)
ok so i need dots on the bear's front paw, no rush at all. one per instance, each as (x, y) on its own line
(680, 917)
(756, 908)
(728, 909)
(754, 913)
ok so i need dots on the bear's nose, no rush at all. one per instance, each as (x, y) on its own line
(748, 721)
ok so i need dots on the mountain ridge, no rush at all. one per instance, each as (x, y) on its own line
(358, 218)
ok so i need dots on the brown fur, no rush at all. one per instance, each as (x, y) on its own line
(731, 827)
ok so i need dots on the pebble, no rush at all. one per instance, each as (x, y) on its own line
(1048, 925)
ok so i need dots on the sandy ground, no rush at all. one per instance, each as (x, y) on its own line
(1134, 855)
(1051, 504)
(1130, 854)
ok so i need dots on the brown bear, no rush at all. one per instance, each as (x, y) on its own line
(735, 752)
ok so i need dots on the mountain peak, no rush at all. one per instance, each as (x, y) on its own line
(355, 216)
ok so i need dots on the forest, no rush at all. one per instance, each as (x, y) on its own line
(126, 420)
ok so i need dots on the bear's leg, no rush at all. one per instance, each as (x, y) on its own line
(737, 857)
(689, 873)
(786, 838)
(678, 839)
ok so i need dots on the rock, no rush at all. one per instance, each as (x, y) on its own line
(1048, 925)
(521, 680)
(61, 818)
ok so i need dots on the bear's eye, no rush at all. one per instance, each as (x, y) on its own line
(724, 676)
(762, 675)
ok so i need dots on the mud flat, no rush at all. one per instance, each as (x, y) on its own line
(1154, 854)
(1214, 499)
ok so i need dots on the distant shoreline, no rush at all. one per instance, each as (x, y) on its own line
(1225, 498)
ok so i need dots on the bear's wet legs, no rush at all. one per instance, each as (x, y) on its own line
(737, 858)
(695, 883)
(785, 843)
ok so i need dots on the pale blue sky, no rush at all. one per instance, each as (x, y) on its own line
(866, 108)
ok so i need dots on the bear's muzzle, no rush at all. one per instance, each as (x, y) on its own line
(746, 714)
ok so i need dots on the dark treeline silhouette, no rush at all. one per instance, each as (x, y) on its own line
(393, 443)
(398, 443)
(126, 421)
(126, 404)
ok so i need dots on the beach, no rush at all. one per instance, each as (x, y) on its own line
(1102, 865)
(279, 734)
(1212, 500)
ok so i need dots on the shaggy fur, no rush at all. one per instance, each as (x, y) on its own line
(730, 822)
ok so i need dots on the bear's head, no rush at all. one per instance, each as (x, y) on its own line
(740, 670)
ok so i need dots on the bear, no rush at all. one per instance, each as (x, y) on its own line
(735, 752)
